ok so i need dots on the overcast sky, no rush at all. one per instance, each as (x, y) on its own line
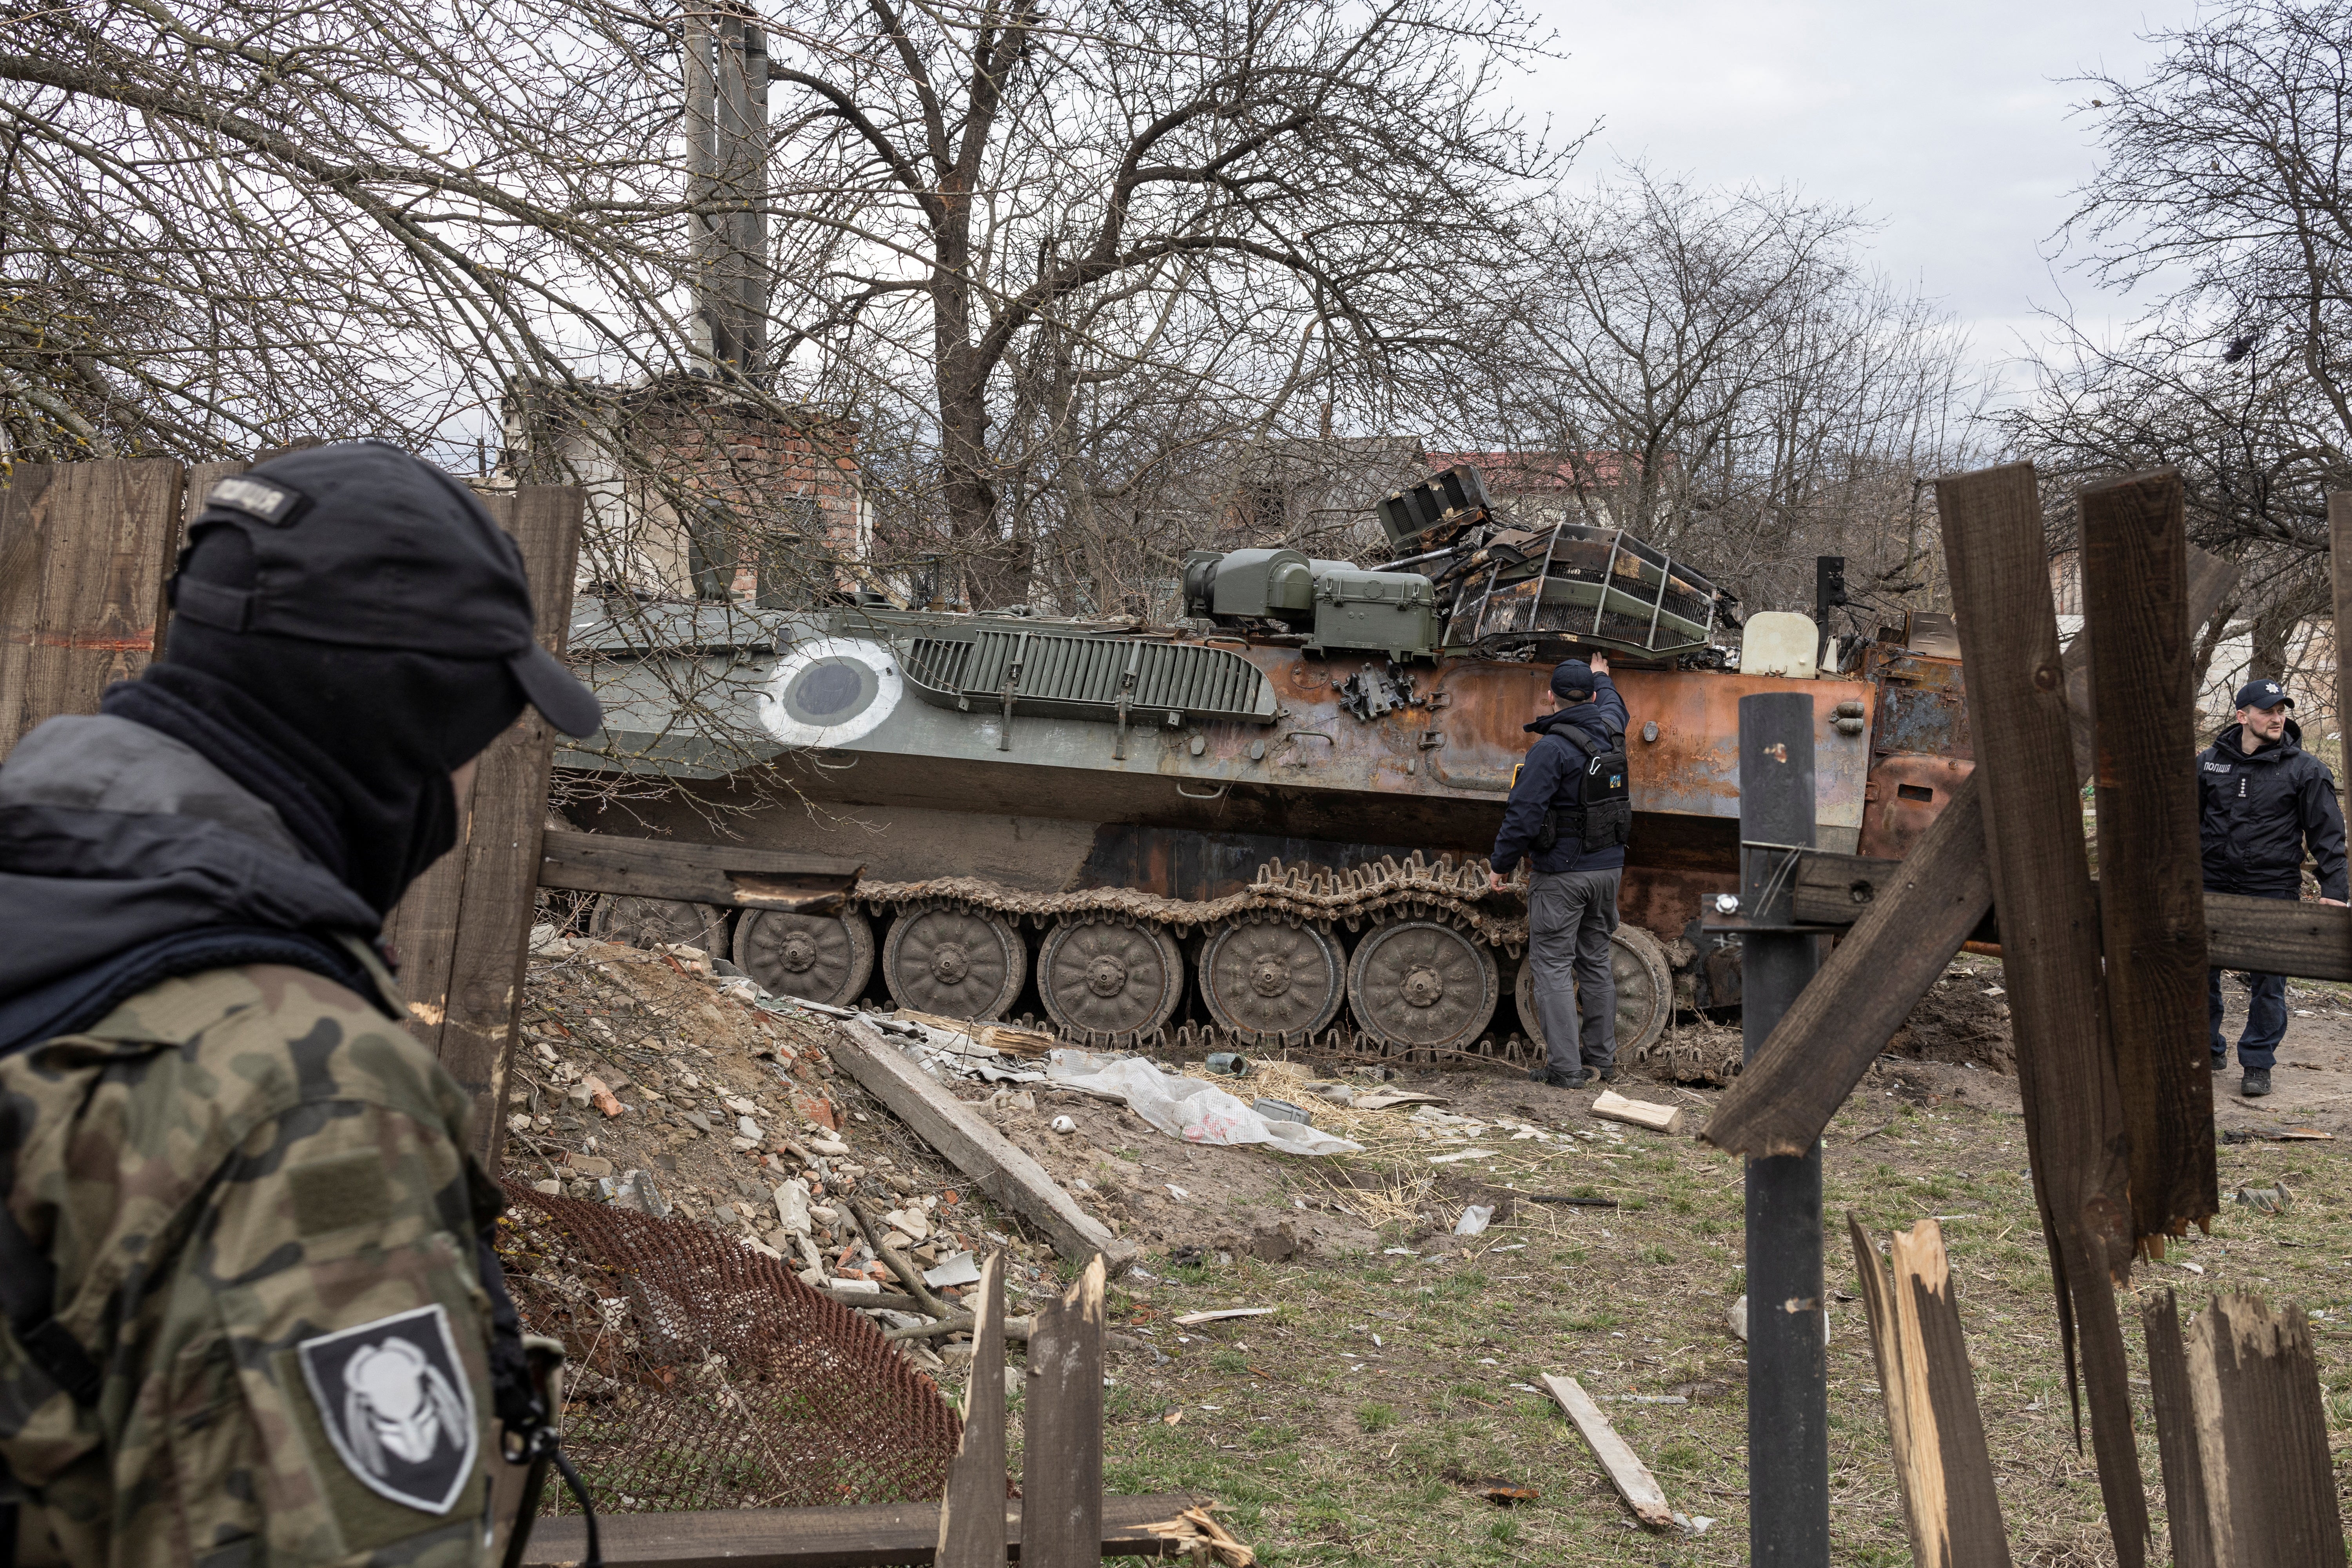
(1950, 123)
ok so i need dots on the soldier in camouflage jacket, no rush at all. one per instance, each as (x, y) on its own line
(250, 1315)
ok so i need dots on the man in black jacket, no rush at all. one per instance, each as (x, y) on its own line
(1572, 897)
(2260, 798)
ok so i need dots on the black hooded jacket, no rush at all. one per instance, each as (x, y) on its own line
(126, 855)
(1551, 764)
(2256, 813)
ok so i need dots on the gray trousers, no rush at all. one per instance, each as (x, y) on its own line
(1570, 917)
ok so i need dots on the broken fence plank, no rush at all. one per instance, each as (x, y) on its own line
(866, 1536)
(1940, 1455)
(1820, 1050)
(971, 1146)
(1062, 1427)
(2261, 1437)
(1632, 1477)
(2022, 727)
(2152, 915)
(2185, 1511)
(1610, 1106)
(972, 1531)
(1221, 1313)
(2275, 936)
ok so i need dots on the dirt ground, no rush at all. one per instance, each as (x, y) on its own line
(1360, 1422)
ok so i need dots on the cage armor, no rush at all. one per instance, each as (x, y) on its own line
(1595, 805)
(254, 1314)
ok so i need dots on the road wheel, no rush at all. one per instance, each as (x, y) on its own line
(645, 922)
(959, 963)
(818, 958)
(1645, 992)
(1420, 985)
(1103, 977)
(1266, 977)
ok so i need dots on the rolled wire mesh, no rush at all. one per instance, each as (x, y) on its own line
(705, 1375)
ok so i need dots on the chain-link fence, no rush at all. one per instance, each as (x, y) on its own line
(704, 1375)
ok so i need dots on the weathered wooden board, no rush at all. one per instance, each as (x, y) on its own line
(85, 552)
(2261, 1437)
(2027, 780)
(724, 875)
(462, 929)
(2151, 906)
(2185, 1511)
(1624, 1468)
(1610, 1106)
(1062, 1427)
(1941, 1459)
(862, 1537)
(1000, 1170)
(1909, 931)
(2275, 936)
(972, 1533)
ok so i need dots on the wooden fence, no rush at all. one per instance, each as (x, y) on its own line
(2105, 980)
(86, 550)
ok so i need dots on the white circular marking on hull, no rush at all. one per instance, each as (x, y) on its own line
(830, 692)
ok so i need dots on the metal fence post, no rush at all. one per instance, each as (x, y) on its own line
(1787, 1366)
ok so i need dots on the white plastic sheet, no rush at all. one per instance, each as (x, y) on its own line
(1187, 1108)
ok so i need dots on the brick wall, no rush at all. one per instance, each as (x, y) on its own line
(695, 492)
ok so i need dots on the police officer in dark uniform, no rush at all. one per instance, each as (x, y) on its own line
(1572, 896)
(2261, 798)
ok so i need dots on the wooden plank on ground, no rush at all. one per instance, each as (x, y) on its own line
(1062, 1427)
(1626, 1472)
(972, 1533)
(2261, 1437)
(724, 875)
(2185, 1512)
(85, 552)
(2151, 904)
(868, 1536)
(2022, 729)
(1941, 1459)
(1787, 1094)
(1610, 1106)
(950, 1126)
(462, 929)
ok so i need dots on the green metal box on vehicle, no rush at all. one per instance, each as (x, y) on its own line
(1393, 613)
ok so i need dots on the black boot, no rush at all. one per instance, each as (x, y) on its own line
(2256, 1083)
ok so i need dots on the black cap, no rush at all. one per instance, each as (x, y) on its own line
(360, 545)
(2262, 694)
(1571, 678)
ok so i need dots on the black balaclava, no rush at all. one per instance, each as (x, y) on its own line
(354, 746)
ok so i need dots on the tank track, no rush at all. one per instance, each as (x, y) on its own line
(1416, 887)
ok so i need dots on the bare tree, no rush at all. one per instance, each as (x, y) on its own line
(2221, 187)
(1718, 371)
(225, 223)
(1019, 173)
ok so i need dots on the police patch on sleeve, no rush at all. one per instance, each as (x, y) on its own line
(393, 1398)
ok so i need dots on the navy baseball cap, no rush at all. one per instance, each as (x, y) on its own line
(360, 544)
(1571, 678)
(2262, 694)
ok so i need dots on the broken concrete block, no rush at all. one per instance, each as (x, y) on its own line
(793, 1205)
(589, 1165)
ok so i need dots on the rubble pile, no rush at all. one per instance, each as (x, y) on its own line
(650, 1079)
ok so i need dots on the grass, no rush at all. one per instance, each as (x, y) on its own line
(1325, 1448)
